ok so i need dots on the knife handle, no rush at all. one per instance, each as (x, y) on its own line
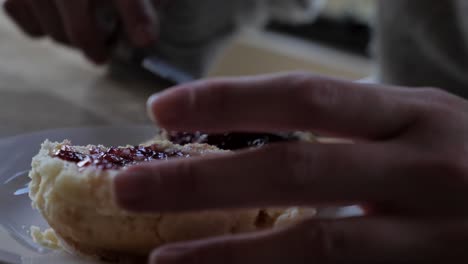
(109, 21)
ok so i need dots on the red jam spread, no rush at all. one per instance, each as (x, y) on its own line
(230, 141)
(116, 158)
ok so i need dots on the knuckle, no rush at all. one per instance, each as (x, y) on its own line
(297, 159)
(314, 93)
(432, 92)
(447, 164)
(453, 166)
(431, 106)
(442, 173)
(436, 98)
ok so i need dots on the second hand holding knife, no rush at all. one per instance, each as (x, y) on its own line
(109, 21)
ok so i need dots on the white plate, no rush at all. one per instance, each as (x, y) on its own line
(16, 213)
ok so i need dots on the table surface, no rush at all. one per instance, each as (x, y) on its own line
(44, 86)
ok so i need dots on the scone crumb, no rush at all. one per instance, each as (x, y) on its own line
(47, 239)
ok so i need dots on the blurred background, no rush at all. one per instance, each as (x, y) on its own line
(47, 86)
(337, 43)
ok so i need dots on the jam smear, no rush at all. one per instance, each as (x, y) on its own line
(230, 141)
(115, 158)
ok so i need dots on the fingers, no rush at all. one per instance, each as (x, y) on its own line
(138, 22)
(343, 241)
(75, 23)
(285, 102)
(49, 19)
(24, 17)
(278, 247)
(279, 175)
(82, 30)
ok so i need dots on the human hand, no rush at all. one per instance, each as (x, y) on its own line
(407, 166)
(74, 23)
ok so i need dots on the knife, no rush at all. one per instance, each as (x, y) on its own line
(108, 20)
(166, 71)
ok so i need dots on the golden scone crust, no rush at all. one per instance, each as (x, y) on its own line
(78, 204)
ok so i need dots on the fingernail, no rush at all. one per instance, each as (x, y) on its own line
(149, 107)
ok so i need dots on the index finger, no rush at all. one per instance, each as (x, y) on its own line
(279, 175)
(284, 103)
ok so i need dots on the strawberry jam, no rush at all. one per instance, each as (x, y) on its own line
(115, 158)
(230, 141)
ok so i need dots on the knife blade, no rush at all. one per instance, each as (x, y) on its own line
(166, 71)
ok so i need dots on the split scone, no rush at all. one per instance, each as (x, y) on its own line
(72, 187)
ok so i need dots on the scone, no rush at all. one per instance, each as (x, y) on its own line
(72, 187)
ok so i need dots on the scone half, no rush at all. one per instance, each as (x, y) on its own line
(72, 187)
(77, 201)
